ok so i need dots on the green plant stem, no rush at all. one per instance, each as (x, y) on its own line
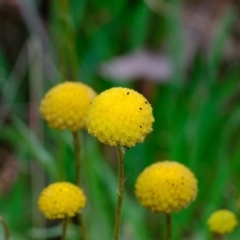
(218, 236)
(169, 226)
(5, 228)
(83, 226)
(64, 227)
(77, 151)
(120, 192)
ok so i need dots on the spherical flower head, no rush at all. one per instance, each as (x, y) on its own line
(65, 105)
(61, 199)
(222, 221)
(166, 186)
(120, 117)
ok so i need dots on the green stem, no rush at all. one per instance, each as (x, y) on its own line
(120, 192)
(64, 228)
(5, 228)
(76, 144)
(83, 226)
(218, 236)
(169, 226)
(77, 152)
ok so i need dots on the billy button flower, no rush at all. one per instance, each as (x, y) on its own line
(61, 200)
(166, 187)
(120, 117)
(65, 105)
(222, 221)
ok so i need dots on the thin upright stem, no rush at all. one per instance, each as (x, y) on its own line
(169, 226)
(83, 226)
(77, 151)
(5, 228)
(120, 192)
(218, 236)
(64, 228)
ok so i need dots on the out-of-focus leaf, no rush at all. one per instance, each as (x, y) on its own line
(36, 148)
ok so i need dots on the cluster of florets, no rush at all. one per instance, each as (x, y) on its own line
(166, 186)
(61, 199)
(222, 221)
(120, 117)
(65, 105)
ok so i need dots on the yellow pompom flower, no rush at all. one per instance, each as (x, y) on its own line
(222, 221)
(166, 186)
(65, 105)
(120, 117)
(61, 199)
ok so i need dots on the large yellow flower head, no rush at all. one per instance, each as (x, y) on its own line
(65, 105)
(120, 117)
(61, 199)
(222, 221)
(166, 186)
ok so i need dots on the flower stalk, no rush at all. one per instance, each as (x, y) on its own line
(217, 236)
(120, 192)
(5, 228)
(82, 226)
(77, 152)
(169, 226)
(64, 228)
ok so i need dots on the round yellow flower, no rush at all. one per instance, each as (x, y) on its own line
(222, 221)
(166, 186)
(120, 117)
(61, 199)
(65, 105)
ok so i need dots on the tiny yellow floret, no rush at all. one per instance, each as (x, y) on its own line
(61, 199)
(65, 105)
(166, 186)
(222, 221)
(120, 117)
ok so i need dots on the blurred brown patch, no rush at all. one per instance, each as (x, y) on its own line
(8, 168)
(13, 32)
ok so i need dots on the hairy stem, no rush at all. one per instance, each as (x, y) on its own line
(169, 226)
(83, 226)
(77, 152)
(64, 228)
(76, 143)
(120, 192)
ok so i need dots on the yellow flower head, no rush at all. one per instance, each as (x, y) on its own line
(120, 116)
(166, 186)
(65, 105)
(222, 221)
(61, 199)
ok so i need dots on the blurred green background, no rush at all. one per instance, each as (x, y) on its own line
(182, 55)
